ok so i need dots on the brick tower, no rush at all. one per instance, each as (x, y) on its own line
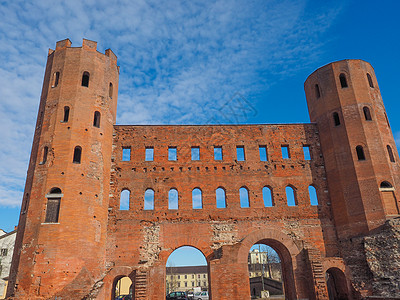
(63, 223)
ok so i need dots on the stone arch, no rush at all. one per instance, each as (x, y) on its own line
(336, 284)
(283, 245)
(112, 277)
(190, 241)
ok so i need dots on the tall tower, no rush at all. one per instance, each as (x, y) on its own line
(62, 230)
(361, 160)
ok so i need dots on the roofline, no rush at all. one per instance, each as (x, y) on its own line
(203, 125)
(7, 234)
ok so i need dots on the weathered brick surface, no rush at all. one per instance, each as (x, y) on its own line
(95, 243)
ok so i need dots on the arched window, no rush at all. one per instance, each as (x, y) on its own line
(312, 192)
(66, 114)
(56, 79)
(149, 199)
(124, 199)
(386, 185)
(77, 155)
(267, 197)
(173, 199)
(244, 197)
(317, 91)
(53, 205)
(343, 80)
(85, 79)
(367, 113)
(291, 196)
(96, 119)
(220, 196)
(390, 153)
(371, 84)
(197, 200)
(110, 90)
(336, 118)
(45, 151)
(360, 153)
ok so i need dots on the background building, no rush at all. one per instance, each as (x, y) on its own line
(7, 241)
(186, 278)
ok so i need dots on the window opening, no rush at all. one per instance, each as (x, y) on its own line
(77, 155)
(390, 152)
(53, 205)
(244, 197)
(267, 197)
(66, 114)
(263, 153)
(149, 154)
(387, 120)
(197, 200)
(312, 192)
(110, 90)
(4, 252)
(195, 153)
(172, 155)
(371, 84)
(217, 153)
(126, 153)
(317, 91)
(96, 119)
(45, 151)
(56, 78)
(343, 80)
(149, 199)
(220, 196)
(173, 199)
(85, 79)
(290, 196)
(123, 287)
(336, 119)
(124, 199)
(285, 152)
(367, 113)
(240, 153)
(360, 153)
(306, 152)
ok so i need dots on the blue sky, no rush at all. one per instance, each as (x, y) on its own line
(187, 59)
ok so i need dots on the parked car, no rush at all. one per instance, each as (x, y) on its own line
(190, 295)
(201, 295)
(176, 296)
(124, 297)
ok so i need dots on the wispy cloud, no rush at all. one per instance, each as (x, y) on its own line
(183, 58)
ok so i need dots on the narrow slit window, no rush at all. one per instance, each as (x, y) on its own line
(285, 151)
(390, 153)
(77, 155)
(244, 197)
(263, 153)
(149, 199)
(110, 90)
(126, 153)
(312, 192)
(343, 80)
(360, 153)
(306, 152)
(336, 119)
(197, 200)
(96, 119)
(240, 153)
(290, 196)
(173, 199)
(85, 79)
(53, 205)
(387, 120)
(45, 152)
(220, 197)
(317, 91)
(124, 199)
(370, 82)
(267, 197)
(66, 114)
(172, 154)
(195, 153)
(367, 113)
(149, 154)
(217, 153)
(56, 79)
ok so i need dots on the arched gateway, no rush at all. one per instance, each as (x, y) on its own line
(132, 194)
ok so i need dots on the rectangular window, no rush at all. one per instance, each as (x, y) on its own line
(149, 154)
(195, 153)
(306, 151)
(240, 153)
(52, 210)
(285, 152)
(263, 153)
(179, 276)
(179, 284)
(172, 153)
(126, 153)
(217, 153)
(185, 284)
(4, 252)
(192, 283)
(185, 276)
